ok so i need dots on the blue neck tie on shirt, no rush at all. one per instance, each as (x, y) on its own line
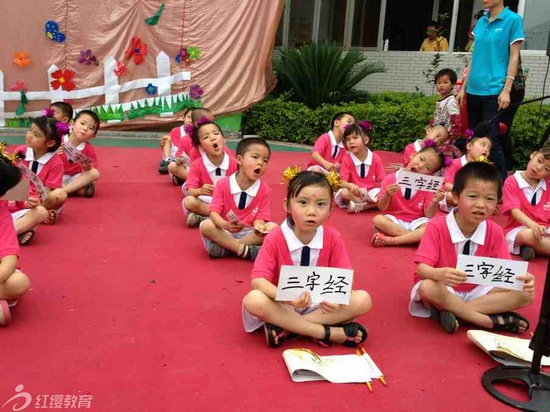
(534, 199)
(218, 171)
(466, 248)
(242, 201)
(34, 167)
(363, 170)
(304, 260)
(408, 193)
(335, 152)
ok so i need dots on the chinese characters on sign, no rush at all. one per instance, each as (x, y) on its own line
(418, 181)
(490, 271)
(29, 174)
(324, 284)
(74, 155)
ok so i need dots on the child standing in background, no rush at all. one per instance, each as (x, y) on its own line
(447, 112)
(329, 150)
(527, 205)
(302, 240)
(79, 178)
(407, 210)
(362, 171)
(240, 211)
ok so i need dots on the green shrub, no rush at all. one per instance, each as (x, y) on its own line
(397, 118)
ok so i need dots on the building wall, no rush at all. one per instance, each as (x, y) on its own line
(405, 71)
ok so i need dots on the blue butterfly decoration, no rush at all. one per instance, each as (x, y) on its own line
(53, 33)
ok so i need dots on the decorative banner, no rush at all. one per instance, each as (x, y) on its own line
(29, 174)
(491, 271)
(19, 192)
(74, 155)
(324, 284)
(21, 59)
(87, 57)
(53, 33)
(151, 21)
(63, 79)
(418, 181)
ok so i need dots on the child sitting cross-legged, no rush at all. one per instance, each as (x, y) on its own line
(302, 240)
(206, 171)
(527, 204)
(441, 291)
(13, 283)
(240, 211)
(407, 210)
(361, 172)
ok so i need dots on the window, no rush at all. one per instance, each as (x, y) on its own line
(301, 22)
(366, 17)
(536, 24)
(332, 21)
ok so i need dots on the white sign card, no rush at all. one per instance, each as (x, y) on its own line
(491, 271)
(418, 181)
(29, 174)
(323, 284)
(75, 155)
(19, 192)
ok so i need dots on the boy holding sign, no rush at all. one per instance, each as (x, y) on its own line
(303, 241)
(442, 291)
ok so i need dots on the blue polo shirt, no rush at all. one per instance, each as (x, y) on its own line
(492, 41)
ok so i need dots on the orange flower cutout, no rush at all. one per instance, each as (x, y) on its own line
(63, 79)
(21, 59)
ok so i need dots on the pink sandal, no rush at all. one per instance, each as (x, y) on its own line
(5, 314)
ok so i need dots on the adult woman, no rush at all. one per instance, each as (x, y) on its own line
(497, 40)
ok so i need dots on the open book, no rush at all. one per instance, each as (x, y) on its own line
(507, 350)
(305, 365)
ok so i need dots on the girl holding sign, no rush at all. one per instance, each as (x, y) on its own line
(302, 240)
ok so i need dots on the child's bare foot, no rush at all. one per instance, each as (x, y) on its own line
(381, 240)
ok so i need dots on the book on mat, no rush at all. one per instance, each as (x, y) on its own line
(509, 351)
(305, 365)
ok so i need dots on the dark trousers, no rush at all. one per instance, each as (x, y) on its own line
(482, 108)
(507, 117)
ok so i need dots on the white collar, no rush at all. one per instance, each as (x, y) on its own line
(294, 243)
(235, 188)
(29, 156)
(418, 145)
(357, 162)
(80, 147)
(457, 236)
(210, 167)
(333, 140)
(463, 161)
(522, 183)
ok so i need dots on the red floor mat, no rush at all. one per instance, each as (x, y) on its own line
(126, 307)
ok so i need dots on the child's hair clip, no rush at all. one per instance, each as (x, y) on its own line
(48, 112)
(429, 143)
(365, 125)
(189, 129)
(483, 159)
(62, 129)
(447, 161)
(202, 120)
(468, 134)
(333, 179)
(290, 173)
(11, 157)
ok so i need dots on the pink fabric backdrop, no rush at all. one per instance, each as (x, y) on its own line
(235, 38)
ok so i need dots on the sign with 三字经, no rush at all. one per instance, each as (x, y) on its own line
(418, 181)
(323, 284)
(500, 273)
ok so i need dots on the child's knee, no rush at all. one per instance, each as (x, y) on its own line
(362, 301)
(254, 302)
(58, 196)
(19, 284)
(429, 289)
(40, 213)
(378, 221)
(94, 173)
(207, 227)
(189, 202)
(172, 167)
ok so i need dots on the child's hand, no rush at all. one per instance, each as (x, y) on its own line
(438, 196)
(337, 166)
(86, 165)
(391, 189)
(529, 285)
(452, 277)
(327, 307)
(59, 150)
(207, 189)
(234, 227)
(180, 162)
(32, 202)
(356, 191)
(538, 230)
(302, 301)
(259, 229)
(331, 166)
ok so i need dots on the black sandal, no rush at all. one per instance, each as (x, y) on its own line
(25, 237)
(511, 322)
(447, 320)
(89, 190)
(350, 329)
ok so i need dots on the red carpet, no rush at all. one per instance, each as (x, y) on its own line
(126, 306)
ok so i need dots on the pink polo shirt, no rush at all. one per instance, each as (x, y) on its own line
(450, 172)
(401, 208)
(176, 134)
(437, 249)
(517, 194)
(50, 168)
(275, 253)
(411, 149)
(351, 167)
(87, 149)
(324, 145)
(9, 246)
(258, 208)
(199, 174)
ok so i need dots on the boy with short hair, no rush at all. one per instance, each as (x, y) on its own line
(240, 211)
(62, 112)
(441, 290)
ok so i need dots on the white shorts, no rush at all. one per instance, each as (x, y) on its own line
(19, 214)
(511, 239)
(323, 170)
(204, 198)
(251, 322)
(417, 307)
(237, 235)
(69, 178)
(173, 151)
(372, 197)
(410, 226)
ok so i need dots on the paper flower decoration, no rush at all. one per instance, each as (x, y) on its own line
(151, 89)
(21, 59)
(121, 69)
(137, 50)
(151, 21)
(189, 128)
(19, 86)
(290, 173)
(53, 33)
(63, 79)
(193, 53)
(195, 91)
(365, 125)
(87, 57)
(187, 54)
(48, 112)
(429, 143)
(23, 106)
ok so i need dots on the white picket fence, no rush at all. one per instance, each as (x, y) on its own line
(111, 89)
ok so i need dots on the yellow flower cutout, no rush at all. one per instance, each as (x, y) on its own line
(333, 179)
(483, 159)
